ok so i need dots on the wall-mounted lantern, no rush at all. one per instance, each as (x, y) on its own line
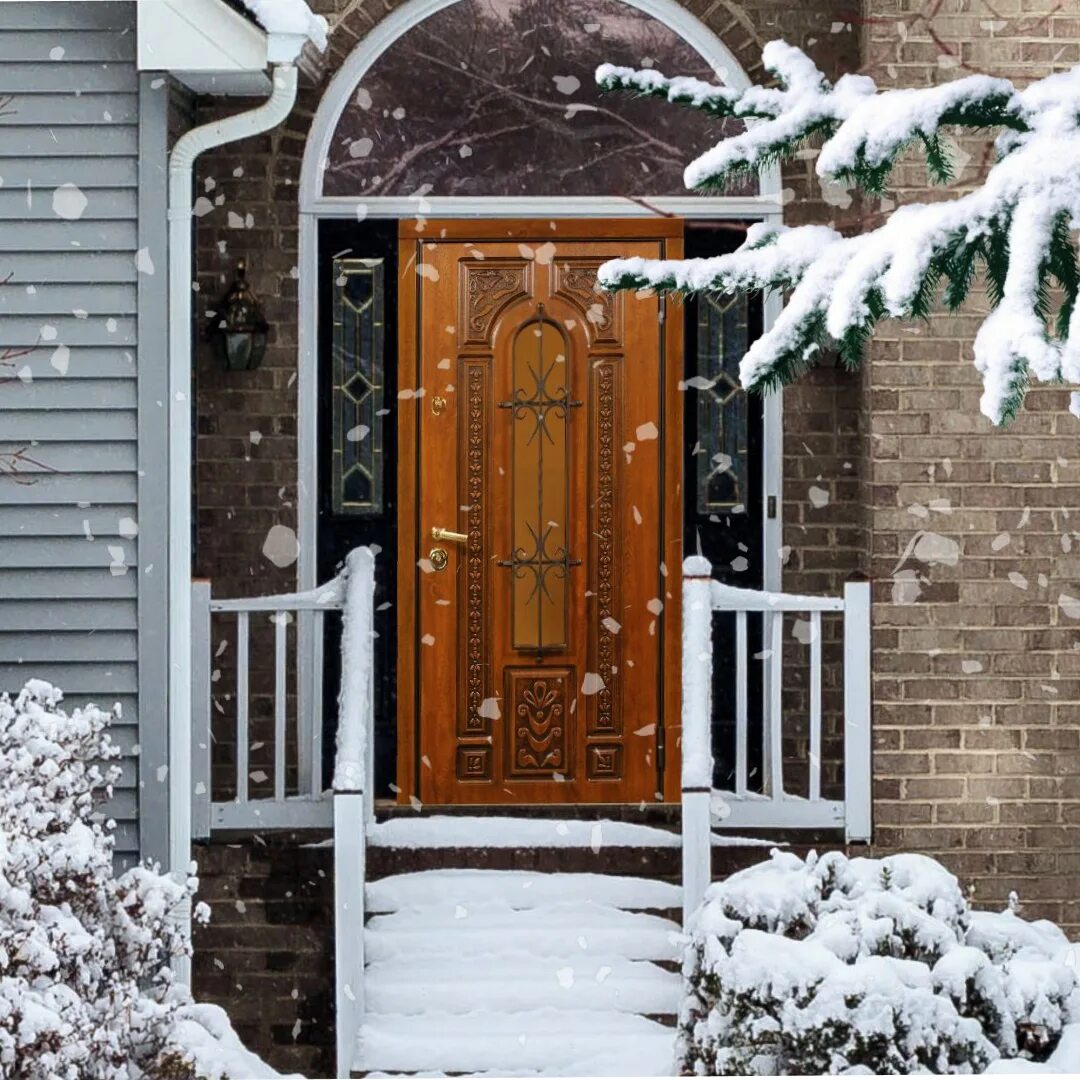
(240, 335)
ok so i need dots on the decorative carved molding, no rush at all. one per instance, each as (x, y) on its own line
(575, 281)
(487, 288)
(476, 395)
(605, 719)
(539, 701)
(474, 763)
(604, 762)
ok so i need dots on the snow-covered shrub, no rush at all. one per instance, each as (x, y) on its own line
(85, 982)
(829, 964)
(84, 956)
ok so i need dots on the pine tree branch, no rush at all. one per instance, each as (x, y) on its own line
(864, 131)
(1017, 228)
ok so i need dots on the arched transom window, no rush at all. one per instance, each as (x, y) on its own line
(497, 98)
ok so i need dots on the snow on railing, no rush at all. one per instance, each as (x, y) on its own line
(352, 594)
(772, 807)
(356, 707)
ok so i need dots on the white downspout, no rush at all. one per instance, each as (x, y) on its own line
(181, 170)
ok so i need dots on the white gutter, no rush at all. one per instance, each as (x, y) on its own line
(181, 171)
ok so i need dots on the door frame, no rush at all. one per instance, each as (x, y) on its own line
(313, 206)
(537, 230)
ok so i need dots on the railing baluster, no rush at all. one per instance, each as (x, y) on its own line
(815, 706)
(305, 733)
(243, 627)
(775, 734)
(858, 768)
(741, 720)
(280, 625)
(315, 760)
(202, 710)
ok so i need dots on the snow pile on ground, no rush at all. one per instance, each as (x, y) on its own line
(203, 1039)
(289, 17)
(86, 989)
(833, 964)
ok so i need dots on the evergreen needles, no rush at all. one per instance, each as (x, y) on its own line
(1015, 230)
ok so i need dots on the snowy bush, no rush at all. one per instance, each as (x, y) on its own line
(831, 964)
(85, 982)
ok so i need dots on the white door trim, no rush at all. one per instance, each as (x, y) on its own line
(314, 205)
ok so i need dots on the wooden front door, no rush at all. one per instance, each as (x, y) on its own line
(539, 562)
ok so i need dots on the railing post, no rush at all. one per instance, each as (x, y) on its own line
(353, 799)
(858, 768)
(697, 760)
(201, 710)
(349, 856)
(369, 718)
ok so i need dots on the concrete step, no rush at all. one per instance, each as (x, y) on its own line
(539, 1042)
(513, 981)
(519, 889)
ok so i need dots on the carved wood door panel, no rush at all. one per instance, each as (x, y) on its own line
(540, 577)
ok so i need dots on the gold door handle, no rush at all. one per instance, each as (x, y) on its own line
(446, 534)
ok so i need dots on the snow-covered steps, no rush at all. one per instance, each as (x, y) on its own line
(541, 1042)
(519, 981)
(409, 842)
(459, 831)
(555, 930)
(519, 889)
(520, 973)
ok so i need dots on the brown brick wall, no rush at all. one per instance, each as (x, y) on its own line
(267, 954)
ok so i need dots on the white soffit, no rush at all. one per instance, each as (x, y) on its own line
(205, 44)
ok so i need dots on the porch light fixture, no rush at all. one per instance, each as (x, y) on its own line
(240, 335)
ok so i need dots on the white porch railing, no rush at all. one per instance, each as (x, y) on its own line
(288, 792)
(772, 807)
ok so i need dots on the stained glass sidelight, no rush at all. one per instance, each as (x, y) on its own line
(540, 562)
(498, 97)
(723, 410)
(358, 387)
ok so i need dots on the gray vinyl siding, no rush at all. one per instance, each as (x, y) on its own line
(83, 579)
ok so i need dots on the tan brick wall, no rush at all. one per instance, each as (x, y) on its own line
(975, 681)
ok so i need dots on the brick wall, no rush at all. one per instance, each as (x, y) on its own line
(977, 695)
(267, 954)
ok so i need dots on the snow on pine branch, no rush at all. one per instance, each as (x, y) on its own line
(1018, 225)
(866, 130)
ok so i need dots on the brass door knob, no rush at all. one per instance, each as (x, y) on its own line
(446, 534)
(438, 558)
